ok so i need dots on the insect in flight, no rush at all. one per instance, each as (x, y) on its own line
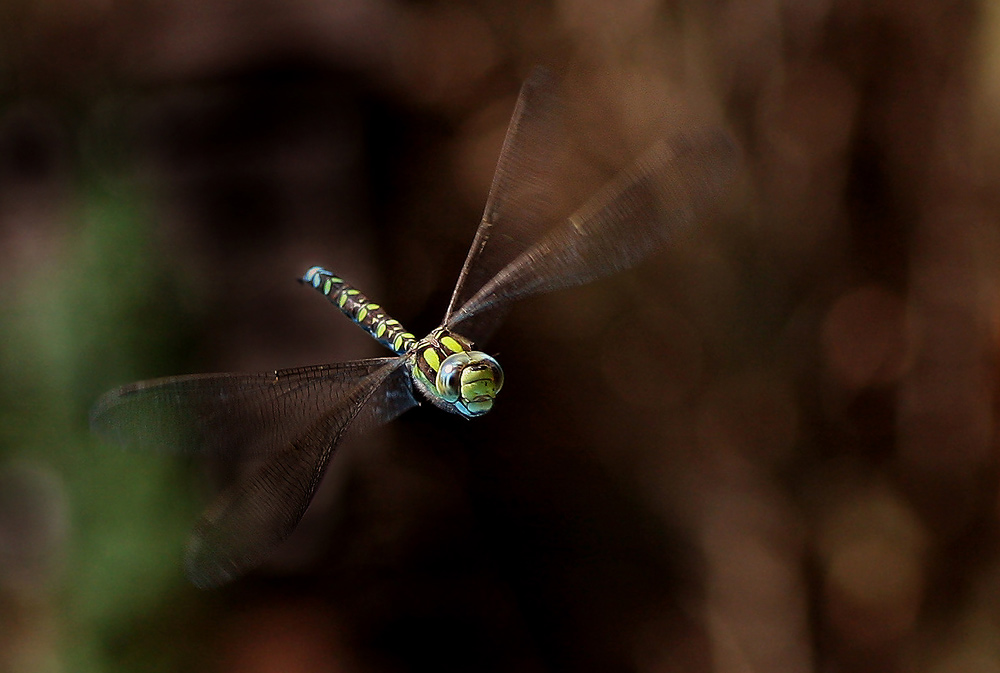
(293, 419)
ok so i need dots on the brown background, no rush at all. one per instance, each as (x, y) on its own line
(771, 448)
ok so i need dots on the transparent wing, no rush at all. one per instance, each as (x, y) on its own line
(227, 415)
(295, 418)
(249, 519)
(520, 201)
(642, 209)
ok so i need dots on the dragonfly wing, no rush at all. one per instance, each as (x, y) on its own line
(642, 209)
(250, 518)
(520, 198)
(228, 415)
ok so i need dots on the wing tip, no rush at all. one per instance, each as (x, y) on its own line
(204, 566)
(97, 417)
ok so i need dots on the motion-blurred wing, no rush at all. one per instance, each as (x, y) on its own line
(642, 209)
(520, 198)
(232, 415)
(249, 519)
(294, 418)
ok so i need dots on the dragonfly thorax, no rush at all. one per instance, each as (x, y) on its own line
(453, 376)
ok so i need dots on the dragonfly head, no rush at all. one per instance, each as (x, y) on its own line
(469, 381)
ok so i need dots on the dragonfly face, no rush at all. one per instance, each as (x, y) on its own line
(469, 381)
(453, 376)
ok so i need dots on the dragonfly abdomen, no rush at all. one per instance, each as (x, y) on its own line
(361, 310)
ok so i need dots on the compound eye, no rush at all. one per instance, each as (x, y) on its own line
(497, 377)
(449, 376)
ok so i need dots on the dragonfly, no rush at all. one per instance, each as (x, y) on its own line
(291, 421)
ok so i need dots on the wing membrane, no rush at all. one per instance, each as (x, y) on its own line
(249, 519)
(229, 415)
(520, 199)
(642, 209)
(293, 418)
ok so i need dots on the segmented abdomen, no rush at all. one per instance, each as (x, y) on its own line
(360, 309)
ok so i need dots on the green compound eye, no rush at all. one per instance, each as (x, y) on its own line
(449, 376)
(470, 381)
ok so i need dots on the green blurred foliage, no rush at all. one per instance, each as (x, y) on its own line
(99, 312)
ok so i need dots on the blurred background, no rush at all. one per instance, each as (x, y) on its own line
(770, 448)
